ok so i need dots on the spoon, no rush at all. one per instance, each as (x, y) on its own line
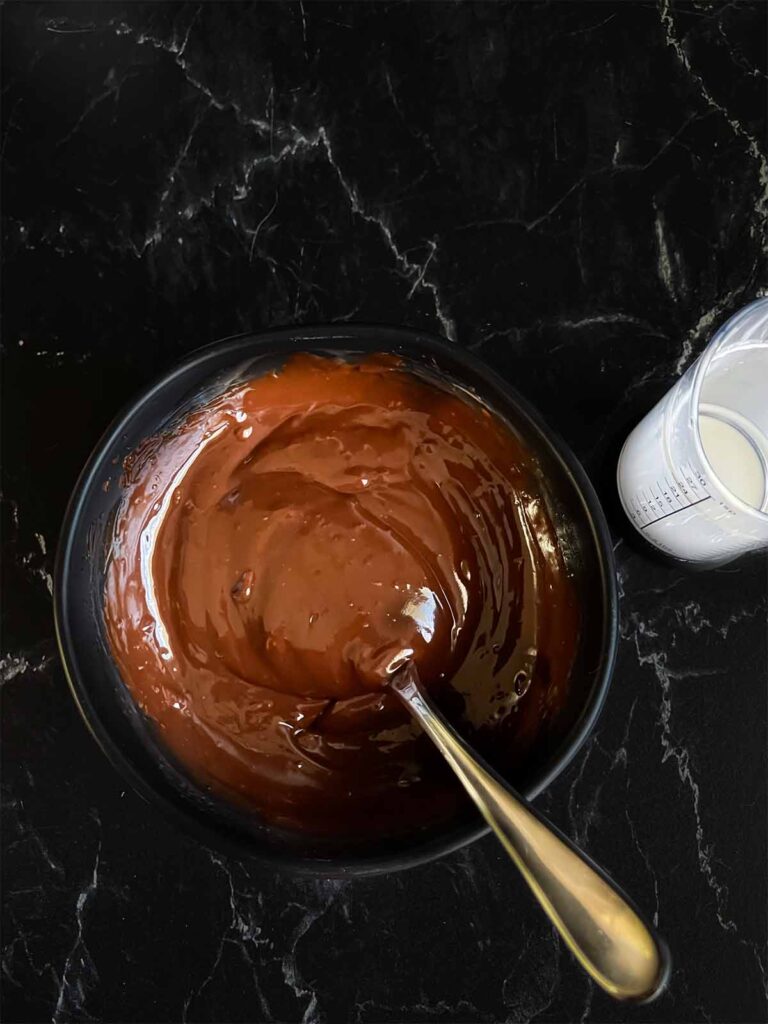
(604, 932)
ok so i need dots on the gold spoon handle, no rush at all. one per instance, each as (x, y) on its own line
(606, 935)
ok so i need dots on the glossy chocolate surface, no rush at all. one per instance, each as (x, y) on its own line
(286, 547)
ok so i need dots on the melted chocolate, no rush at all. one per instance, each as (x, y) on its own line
(285, 548)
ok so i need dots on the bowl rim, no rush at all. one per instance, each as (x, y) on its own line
(191, 823)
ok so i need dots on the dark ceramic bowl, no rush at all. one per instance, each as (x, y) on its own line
(128, 739)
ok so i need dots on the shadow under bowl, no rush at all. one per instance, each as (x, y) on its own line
(127, 737)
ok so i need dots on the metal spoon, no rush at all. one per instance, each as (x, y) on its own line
(606, 935)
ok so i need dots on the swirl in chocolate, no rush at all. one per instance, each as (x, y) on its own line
(285, 548)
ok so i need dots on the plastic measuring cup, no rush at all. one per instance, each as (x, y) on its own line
(693, 475)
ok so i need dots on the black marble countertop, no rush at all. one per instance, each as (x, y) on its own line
(576, 191)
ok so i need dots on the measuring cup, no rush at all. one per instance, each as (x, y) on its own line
(693, 475)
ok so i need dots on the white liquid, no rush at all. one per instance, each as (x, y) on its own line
(734, 459)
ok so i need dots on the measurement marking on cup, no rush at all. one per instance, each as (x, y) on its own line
(650, 503)
(644, 507)
(675, 511)
(674, 492)
(674, 495)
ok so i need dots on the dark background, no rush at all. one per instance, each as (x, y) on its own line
(576, 191)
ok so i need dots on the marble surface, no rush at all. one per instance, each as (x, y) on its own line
(576, 191)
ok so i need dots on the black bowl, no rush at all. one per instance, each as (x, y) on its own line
(129, 740)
